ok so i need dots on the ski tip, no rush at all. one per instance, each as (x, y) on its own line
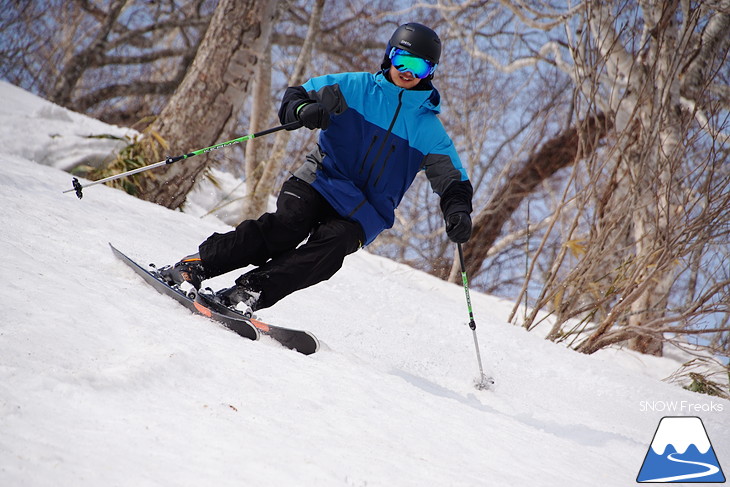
(318, 344)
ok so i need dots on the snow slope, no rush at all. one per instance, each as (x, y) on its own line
(105, 382)
(52, 135)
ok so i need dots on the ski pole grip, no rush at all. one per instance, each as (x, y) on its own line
(171, 160)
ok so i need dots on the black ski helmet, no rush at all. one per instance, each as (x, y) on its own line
(417, 39)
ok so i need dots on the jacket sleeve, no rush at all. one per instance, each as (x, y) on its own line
(449, 179)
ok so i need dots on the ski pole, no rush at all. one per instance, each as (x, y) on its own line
(484, 382)
(78, 187)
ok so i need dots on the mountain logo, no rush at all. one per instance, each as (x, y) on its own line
(680, 452)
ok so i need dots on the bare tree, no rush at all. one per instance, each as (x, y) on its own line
(629, 213)
(262, 170)
(641, 199)
(115, 60)
(561, 151)
(211, 95)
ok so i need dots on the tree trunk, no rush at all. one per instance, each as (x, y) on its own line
(255, 203)
(653, 221)
(211, 95)
(261, 172)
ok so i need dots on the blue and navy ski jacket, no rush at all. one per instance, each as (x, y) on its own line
(379, 137)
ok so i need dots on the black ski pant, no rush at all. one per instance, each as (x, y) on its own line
(272, 243)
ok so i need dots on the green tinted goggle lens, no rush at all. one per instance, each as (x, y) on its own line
(405, 61)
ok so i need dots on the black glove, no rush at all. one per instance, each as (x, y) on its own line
(313, 116)
(458, 227)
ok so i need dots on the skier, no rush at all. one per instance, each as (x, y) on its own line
(377, 132)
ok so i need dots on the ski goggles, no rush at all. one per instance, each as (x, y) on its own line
(405, 61)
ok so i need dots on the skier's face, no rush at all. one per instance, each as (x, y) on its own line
(403, 80)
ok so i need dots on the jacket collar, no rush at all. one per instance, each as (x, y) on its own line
(428, 98)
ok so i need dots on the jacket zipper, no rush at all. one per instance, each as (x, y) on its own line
(385, 163)
(364, 159)
(385, 139)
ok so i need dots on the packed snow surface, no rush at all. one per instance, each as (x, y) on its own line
(103, 381)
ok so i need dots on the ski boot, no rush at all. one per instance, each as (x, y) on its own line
(187, 275)
(240, 299)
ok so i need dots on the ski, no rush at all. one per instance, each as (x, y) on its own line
(251, 328)
(299, 340)
(241, 327)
